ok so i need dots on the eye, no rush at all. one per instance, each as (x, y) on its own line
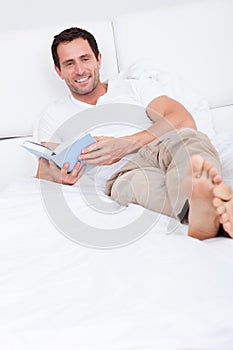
(68, 63)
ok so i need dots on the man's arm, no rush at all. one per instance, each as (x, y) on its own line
(167, 115)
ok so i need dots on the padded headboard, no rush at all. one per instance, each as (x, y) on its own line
(29, 82)
(192, 39)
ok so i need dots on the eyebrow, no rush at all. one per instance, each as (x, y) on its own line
(67, 61)
(71, 59)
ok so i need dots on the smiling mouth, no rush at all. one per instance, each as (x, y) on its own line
(82, 80)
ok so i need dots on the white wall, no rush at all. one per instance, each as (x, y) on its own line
(21, 14)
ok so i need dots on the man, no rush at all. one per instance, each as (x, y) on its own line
(165, 148)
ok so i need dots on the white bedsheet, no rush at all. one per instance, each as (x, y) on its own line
(163, 291)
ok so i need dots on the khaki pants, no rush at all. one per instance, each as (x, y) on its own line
(154, 177)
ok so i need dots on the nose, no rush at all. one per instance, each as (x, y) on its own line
(79, 68)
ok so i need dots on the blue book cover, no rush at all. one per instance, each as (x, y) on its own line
(68, 154)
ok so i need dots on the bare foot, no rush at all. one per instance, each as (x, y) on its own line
(223, 202)
(199, 184)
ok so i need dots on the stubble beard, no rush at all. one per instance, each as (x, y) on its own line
(85, 90)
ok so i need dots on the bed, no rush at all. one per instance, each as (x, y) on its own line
(150, 286)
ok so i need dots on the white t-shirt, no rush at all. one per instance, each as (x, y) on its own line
(130, 91)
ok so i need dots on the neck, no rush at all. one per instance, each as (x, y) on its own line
(92, 97)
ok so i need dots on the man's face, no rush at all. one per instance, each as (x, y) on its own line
(79, 66)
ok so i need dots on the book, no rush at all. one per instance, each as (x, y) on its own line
(64, 153)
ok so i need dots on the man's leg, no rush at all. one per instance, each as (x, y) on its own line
(169, 156)
(176, 151)
(140, 181)
(143, 186)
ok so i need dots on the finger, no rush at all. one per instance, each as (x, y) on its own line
(101, 160)
(65, 168)
(91, 155)
(98, 138)
(65, 175)
(72, 177)
(75, 169)
(100, 143)
(81, 172)
(92, 147)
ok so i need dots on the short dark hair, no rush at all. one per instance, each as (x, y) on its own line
(70, 34)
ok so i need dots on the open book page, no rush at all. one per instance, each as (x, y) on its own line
(38, 150)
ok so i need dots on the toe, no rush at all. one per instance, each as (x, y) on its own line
(217, 179)
(197, 164)
(221, 209)
(212, 173)
(224, 218)
(217, 202)
(223, 192)
(208, 166)
(228, 228)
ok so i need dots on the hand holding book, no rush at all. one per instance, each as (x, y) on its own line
(62, 154)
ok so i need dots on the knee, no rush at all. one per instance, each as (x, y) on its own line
(123, 189)
(136, 186)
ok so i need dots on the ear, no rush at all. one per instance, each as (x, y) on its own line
(58, 72)
(99, 60)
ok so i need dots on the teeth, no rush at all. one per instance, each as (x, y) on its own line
(82, 80)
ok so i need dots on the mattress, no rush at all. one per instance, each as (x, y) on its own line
(158, 289)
